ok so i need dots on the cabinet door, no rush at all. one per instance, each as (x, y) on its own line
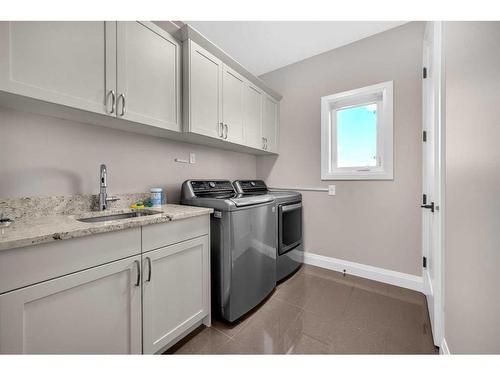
(233, 86)
(96, 311)
(68, 63)
(148, 75)
(252, 120)
(175, 291)
(203, 91)
(270, 124)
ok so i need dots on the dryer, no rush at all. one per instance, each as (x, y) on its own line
(288, 238)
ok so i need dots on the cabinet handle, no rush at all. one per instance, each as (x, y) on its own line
(138, 281)
(123, 103)
(220, 130)
(113, 100)
(227, 129)
(149, 269)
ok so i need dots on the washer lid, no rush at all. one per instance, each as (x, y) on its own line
(285, 195)
(250, 200)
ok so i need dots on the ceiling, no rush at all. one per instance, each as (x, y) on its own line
(263, 46)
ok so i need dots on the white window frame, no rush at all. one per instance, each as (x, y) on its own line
(382, 95)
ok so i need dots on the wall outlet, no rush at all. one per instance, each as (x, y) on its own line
(331, 189)
(192, 158)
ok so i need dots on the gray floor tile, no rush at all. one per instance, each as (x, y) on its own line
(203, 340)
(269, 331)
(318, 311)
(305, 344)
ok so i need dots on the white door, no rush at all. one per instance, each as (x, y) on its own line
(252, 119)
(233, 86)
(432, 202)
(96, 311)
(203, 88)
(175, 291)
(68, 63)
(148, 75)
(270, 124)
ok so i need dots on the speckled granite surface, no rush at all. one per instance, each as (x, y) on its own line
(31, 207)
(42, 223)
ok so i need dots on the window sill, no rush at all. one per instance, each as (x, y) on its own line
(358, 176)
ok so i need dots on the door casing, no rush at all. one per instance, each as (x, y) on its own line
(433, 176)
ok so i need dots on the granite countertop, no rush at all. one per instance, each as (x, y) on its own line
(42, 229)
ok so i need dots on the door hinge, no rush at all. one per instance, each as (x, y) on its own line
(424, 136)
(424, 262)
(424, 72)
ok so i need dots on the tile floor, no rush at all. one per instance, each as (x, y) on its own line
(319, 311)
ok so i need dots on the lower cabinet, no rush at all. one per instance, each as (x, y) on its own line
(139, 304)
(175, 291)
(88, 312)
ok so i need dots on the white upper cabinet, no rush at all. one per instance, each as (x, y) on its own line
(92, 311)
(252, 119)
(148, 75)
(222, 100)
(202, 91)
(68, 63)
(270, 124)
(129, 70)
(233, 86)
(134, 71)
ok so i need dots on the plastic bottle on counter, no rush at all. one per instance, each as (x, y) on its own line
(156, 196)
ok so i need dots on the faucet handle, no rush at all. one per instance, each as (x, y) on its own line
(112, 199)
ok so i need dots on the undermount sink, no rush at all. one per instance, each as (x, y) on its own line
(127, 215)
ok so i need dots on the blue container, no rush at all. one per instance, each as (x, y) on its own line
(156, 196)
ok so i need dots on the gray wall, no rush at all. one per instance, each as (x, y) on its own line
(371, 222)
(472, 222)
(42, 155)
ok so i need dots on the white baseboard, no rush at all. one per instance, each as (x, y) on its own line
(383, 275)
(443, 349)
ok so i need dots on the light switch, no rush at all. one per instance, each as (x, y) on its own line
(192, 158)
(331, 189)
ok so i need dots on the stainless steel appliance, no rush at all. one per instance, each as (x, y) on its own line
(243, 245)
(289, 244)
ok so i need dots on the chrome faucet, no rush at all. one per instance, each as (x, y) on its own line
(103, 195)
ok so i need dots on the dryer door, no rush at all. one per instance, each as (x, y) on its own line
(289, 226)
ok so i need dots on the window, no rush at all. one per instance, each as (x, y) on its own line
(356, 134)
